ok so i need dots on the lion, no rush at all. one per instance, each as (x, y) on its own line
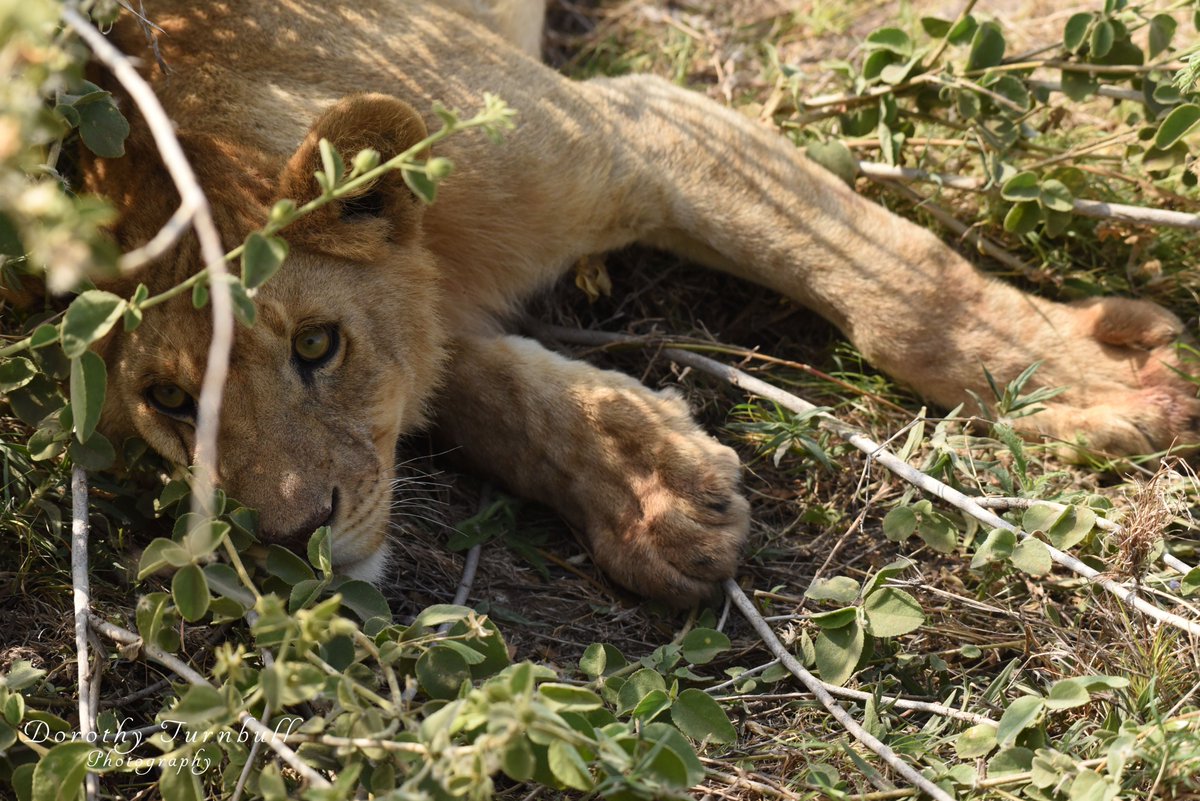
(390, 315)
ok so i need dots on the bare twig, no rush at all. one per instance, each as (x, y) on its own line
(817, 688)
(82, 601)
(185, 671)
(964, 232)
(878, 453)
(208, 407)
(1087, 208)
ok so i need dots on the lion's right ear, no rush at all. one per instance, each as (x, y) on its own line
(357, 227)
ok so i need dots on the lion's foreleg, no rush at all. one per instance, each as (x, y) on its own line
(658, 500)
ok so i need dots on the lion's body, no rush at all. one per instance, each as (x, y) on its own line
(422, 296)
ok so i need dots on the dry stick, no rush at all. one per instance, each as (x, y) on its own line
(963, 231)
(186, 672)
(1176, 564)
(878, 453)
(82, 601)
(1088, 208)
(208, 408)
(815, 687)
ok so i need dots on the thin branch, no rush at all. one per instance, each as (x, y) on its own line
(213, 255)
(189, 674)
(817, 688)
(1087, 208)
(81, 593)
(171, 232)
(964, 232)
(883, 456)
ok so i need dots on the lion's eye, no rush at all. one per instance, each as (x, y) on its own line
(171, 400)
(315, 344)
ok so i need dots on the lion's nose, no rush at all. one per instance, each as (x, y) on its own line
(298, 536)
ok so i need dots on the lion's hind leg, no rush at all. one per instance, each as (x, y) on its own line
(658, 500)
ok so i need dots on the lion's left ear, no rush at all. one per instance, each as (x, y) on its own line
(358, 226)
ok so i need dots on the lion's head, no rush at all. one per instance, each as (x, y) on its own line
(346, 352)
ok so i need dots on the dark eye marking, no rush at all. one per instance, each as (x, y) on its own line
(171, 400)
(313, 347)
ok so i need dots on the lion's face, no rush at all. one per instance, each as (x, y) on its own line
(346, 351)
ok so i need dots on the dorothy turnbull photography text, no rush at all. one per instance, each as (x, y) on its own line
(115, 746)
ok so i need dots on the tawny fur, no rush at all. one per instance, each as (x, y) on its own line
(421, 294)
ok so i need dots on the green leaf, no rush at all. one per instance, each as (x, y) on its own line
(436, 615)
(200, 705)
(1078, 85)
(441, 672)
(938, 532)
(261, 259)
(976, 741)
(1191, 581)
(637, 687)
(667, 736)
(700, 717)
(899, 524)
(21, 676)
(43, 335)
(987, 47)
(16, 373)
(1096, 683)
(651, 706)
(1040, 517)
(1162, 30)
(568, 766)
(365, 600)
(1091, 786)
(838, 652)
(935, 27)
(1022, 713)
(1055, 196)
(95, 454)
(1031, 556)
(560, 697)
(518, 761)
(1179, 123)
(1101, 42)
(963, 31)
(1010, 760)
(189, 589)
(420, 184)
(841, 589)
(891, 612)
(593, 661)
(320, 550)
(1023, 218)
(837, 618)
(700, 646)
(891, 39)
(997, 547)
(1072, 526)
(1067, 693)
(331, 161)
(89, 317)
(89, 379)
(179, 785)
(284, 564)
(160, 553)
(1022, 186)
(103, 128)
(59, 774)
(834, 156)
(1076, 31)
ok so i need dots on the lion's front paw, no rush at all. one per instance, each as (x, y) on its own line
(1128, 391)
(683, 520)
